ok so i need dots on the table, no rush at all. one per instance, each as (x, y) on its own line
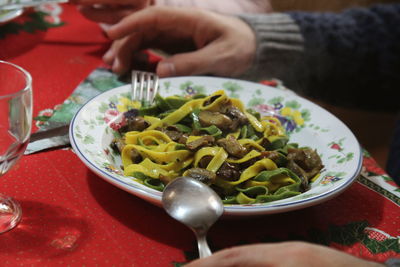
(72, 217)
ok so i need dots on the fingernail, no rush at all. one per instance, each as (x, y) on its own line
(166, 69)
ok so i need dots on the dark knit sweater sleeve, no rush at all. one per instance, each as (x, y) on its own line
(350, 58)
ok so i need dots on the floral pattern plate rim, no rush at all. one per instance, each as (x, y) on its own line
(306, 123)
(7, 15)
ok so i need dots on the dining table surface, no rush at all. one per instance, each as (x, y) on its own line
(72, 217)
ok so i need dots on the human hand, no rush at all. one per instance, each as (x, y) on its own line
(218, 44)
(110, 11)
(282, 254)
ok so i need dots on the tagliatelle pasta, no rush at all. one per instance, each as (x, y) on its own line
(243, 157)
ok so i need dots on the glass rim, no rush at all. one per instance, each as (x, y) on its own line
(28, 79)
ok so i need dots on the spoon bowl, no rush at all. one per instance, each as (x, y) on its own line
(194, 204)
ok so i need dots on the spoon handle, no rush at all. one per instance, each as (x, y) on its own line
(204, 250)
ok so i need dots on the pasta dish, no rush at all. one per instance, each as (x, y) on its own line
(244, 157)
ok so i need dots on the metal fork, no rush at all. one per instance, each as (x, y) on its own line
(144, 87)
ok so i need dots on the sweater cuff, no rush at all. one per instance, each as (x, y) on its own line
(280, 45)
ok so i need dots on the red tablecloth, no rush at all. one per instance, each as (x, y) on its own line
(72, 217)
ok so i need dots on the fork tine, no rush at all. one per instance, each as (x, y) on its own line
(148, 86)
(141, 75)
(144, 81)
(155, 87)
(134, 85)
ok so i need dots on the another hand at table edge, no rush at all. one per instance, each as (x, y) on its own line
(297, 254)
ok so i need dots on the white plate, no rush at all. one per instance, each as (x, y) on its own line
(7, 15)
(317, 128)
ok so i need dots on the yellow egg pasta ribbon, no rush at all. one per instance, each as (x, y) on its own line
(150, 169)
(250, 172)
(219, 156)
(217, 103)
(192, 138)
(156, 156)
(238, 103)
(249, 143)
(217, 160)
(178, 114)
(257, 125)
(251, 155)
(272, 128)
(151, 119)
(148, 137)
(205, 151)
(234, 135)
(273, 184)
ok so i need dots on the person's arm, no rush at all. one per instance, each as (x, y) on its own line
(349, 58)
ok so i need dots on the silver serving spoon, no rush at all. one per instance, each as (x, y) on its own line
(194, 204)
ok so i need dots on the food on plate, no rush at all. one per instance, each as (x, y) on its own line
(245, 158)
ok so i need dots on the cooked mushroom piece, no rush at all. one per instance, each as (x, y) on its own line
(300, 173)
(307, 159)
(206, 140)
(232, 146)
(234, 113)
(135, 156)
(275, 156)
(202, 175)
(173, 133)
(229, 172)
(203, 163)
(183, 139)
(304, 162)
(137, 123)
(208, 118)
(117, 145)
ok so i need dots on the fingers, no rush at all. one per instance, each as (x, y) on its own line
(250, 255)
(297, 254)
(155, 19)
(224, 46)
(198, 62)
(120, 54)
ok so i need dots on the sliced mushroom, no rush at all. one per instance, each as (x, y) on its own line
(232, 146)
(300, 173)
(137, 123)
(183, 139)
(272, 155)
(135, 156)
(117, 145)
(208, 118)
(234, 113)
(173, 133)
(206, 140)
(204, 161)
(202, 175)
(307, 159)
(306, 163)
(229, 172)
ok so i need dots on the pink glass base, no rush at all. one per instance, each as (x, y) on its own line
(10, 213)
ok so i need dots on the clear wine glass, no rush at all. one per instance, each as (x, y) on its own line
(15, 129)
